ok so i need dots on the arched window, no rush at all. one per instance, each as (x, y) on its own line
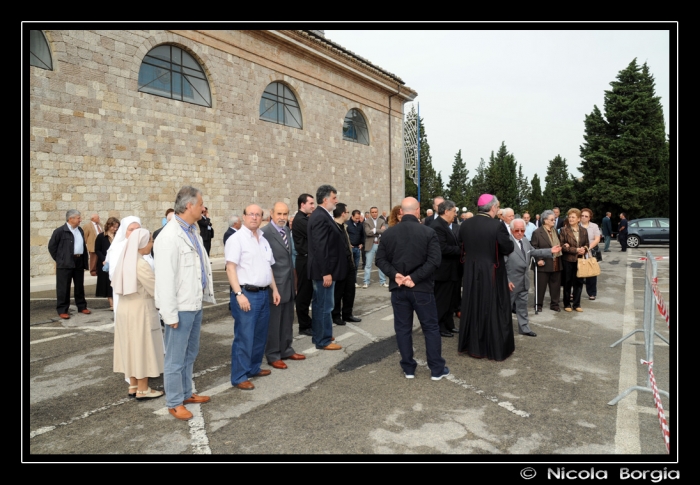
(279, 105)
(355, 127)
(39, 52)
(171, 72)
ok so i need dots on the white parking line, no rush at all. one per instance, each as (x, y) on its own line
(99, 328)
(504, 404)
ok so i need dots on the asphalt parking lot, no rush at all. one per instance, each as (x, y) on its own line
(547, 402)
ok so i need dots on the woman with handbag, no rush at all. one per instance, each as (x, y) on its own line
(548, 269)
(574, 244)
(593, 241)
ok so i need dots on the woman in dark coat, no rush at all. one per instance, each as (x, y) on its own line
(102, 242)
(548, 270)
(574, 245)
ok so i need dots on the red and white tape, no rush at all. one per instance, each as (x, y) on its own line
(659, 406)
(659, 300)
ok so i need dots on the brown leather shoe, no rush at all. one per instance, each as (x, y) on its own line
(180, 412)
(332, 347)
(195, 399)
(295, 357)
(332, 339)
(246, 386)
(264, 372)
(85, 311)
(278, 364)
(65, 316)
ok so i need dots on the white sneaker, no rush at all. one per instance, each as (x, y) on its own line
(365, 286)
(356, 285)
(385, 285)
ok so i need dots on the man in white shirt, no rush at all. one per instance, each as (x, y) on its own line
(529, 226)
(249, 263)
(67, 247)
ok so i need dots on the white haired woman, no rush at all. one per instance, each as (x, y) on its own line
(138, 342)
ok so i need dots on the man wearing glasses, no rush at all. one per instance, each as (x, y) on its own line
(249, 263)
(517, 263)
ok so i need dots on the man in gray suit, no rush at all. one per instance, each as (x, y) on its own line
(517, 263)
(279, 335)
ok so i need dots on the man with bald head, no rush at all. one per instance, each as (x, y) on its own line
(249, 261)
(280, 334)
(409, 255)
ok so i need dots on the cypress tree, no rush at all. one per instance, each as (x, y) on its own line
(556, 180)
(536, 205)
(625, 153)
(457, 185)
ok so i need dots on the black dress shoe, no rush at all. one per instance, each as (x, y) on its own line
(306, 331)
(445, 334)
(530, 334)
(454, 330)
(352, 318)
(338, 321)
(556, 309)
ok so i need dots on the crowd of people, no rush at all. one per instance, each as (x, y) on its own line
(475, 267)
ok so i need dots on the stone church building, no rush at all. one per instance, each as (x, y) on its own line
(119, 120)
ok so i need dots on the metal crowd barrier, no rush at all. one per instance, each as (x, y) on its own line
(648, 327)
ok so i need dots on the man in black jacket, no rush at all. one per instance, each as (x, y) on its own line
(305, 289)
(206, 231)
(447, 275)
(67, 247)
(409, 254)
(356, 232)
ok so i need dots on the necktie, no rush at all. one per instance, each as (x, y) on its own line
(522, 249)
(284, 238)
(99, 229)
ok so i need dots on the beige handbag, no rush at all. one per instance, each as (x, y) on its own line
(587, 267)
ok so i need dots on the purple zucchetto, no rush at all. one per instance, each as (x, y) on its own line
(484, 199)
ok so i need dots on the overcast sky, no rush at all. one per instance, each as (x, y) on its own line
(530, 89)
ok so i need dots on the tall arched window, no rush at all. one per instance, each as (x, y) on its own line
(171, 72)
(39, 52)
(279, 105)
(355, 127)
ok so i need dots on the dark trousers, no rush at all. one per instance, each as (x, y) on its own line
(344, 297)
(443, 301)
(405, 302)
(356, 257)
(64, 276)
(592, 286)
(553, 280)
(207, 246)
(572, 281)
(305, 293)
(623, 241)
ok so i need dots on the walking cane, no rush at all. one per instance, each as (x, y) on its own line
(534, 267)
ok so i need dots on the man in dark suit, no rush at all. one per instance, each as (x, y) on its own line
(607, 231)
(517, 263)
(447, 275)
(622, 231)
(206, 231)
(67, 247)
(560, 220)
(409, 255)
(432, 218)
(234, 224)
(327, 264)
(280, 334)
(345, 288)
(305, 289)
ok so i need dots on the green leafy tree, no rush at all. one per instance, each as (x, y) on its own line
(536, 204)
(501, 177)
(457, 186)
(625, 154)
(477, 186)
(430, 182)
(556, 180)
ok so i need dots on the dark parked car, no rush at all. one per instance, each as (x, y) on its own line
(650, 230)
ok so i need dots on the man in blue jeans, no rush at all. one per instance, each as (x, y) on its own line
(327, 264)
(249, 263)
(410, 254)
(183, 281)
